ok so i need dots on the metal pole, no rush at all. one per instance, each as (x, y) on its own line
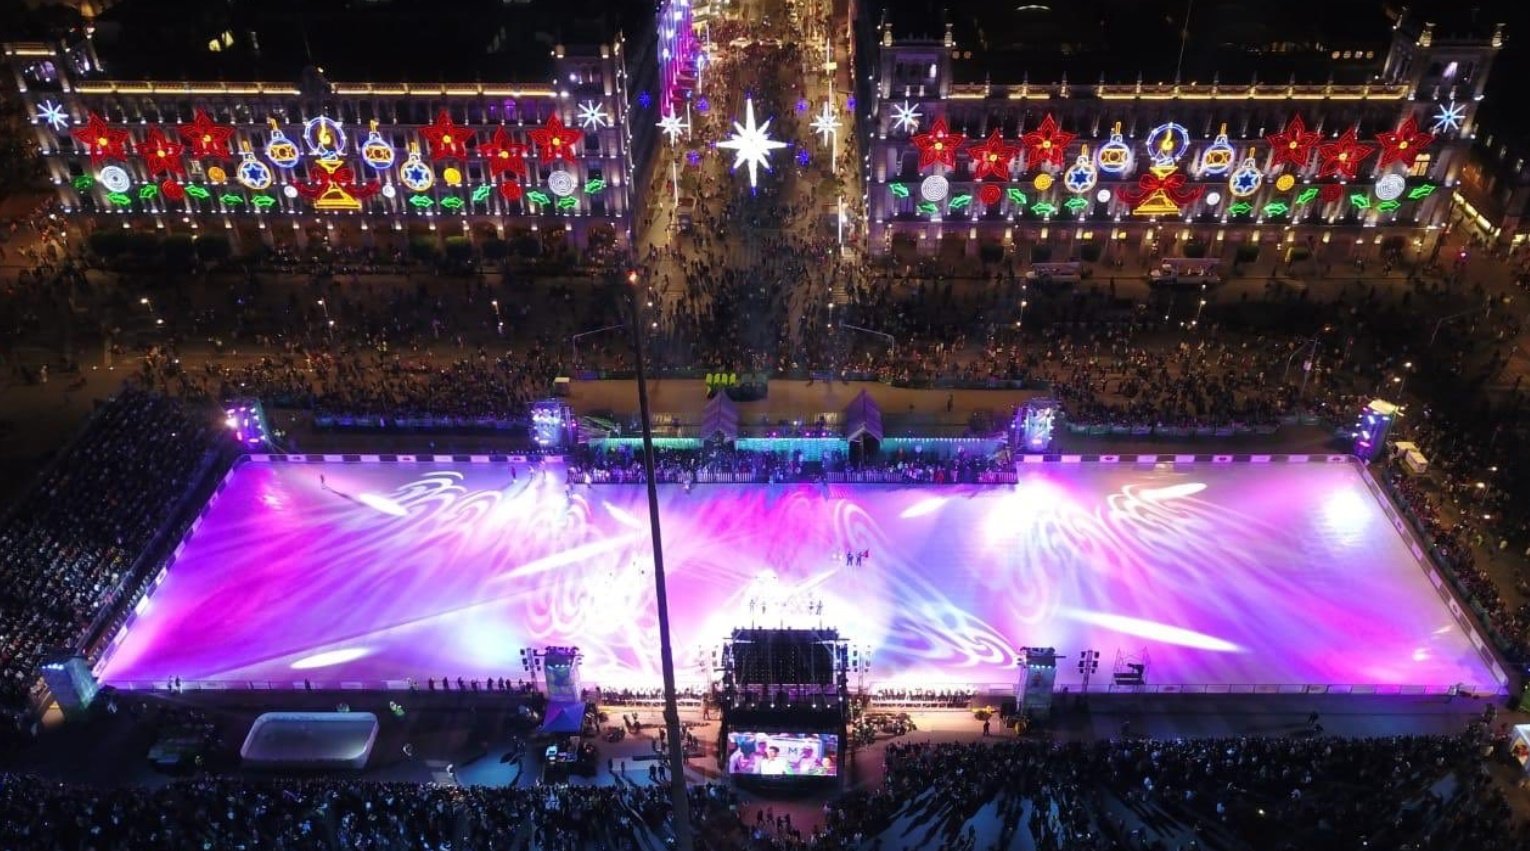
(677, 791)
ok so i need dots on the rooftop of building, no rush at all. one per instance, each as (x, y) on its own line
(1124, 40)
(387, 41)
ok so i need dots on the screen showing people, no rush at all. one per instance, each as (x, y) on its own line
(784, 754)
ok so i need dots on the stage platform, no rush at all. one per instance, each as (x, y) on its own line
(1269, 575)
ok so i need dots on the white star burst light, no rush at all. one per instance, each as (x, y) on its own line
(826, 123)
(1450, 117)
(673, 126)
(592, 116)
(54, 114)
(906, 117)
(751, 143)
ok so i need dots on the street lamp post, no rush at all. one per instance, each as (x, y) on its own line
(679, 800)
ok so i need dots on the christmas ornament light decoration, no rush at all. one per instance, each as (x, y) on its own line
(101, 141)
(252, 173)
(503, 154)
(172, 190)
(1293, 145)
(200, 193)
(389, 192)
(990, 193)
(1246, 179)
(1166, 143)
(1115, 156)
(1103, 196)
(751, 143)
(1219, 156)
(906, 117)
(673, 127)
(205, 138)
(1391, 187)
(447, 138)
(290, 191)
(562, 183)
(592, 116)
(1307, 195)
(1043, 182)
(1423, 190)
(114, 178)
(280, 150)
(333, 186)
(1449, 118)
(53, 114)
(160, 154)
(451, 176)
(826, 123)
(554, 141)
(1285, 182)
(1343, 155)
(939, 145)
(376, 152)
(1241, 208)
(1046, 144)
(510, 191)
(1076, 204)
(325, 137)
(1213, 198)
(1404, 144)
(216, 174)
(1331, 192)
(991, 157)
(934, 188)
(415, 174)
(1082, 175)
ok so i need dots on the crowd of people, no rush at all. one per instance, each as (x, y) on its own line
(719, 462)
(69, 548)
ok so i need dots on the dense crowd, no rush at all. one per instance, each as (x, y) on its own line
(68, 550)
(720, 462)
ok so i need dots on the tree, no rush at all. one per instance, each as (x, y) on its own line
(495, 249)
(424, 248)
(459, 249)
(142, 245)
(1247, 253)
(213, 248)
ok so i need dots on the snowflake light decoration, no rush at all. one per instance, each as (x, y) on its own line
(826, 123)
(673, 126)
(592, 116)
(751, 143)
(1449, 118)
(54, 114)
(906, 117)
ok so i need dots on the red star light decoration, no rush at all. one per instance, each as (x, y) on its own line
(939, 145)
(205, 138)
(1403, 144)
(1343, 155)
(101, 141)
(503, 154)
(1046, 144)
(160, 154)
(446, 137)
(554, 141)
(991, 157)
(1293, 145)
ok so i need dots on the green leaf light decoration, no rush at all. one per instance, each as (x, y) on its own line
(1307, 195)
(928, 207)
(198, 192)
(537, 196)
(230, 199)
(1016, 196)
(147, 191)
(263, 201)
(1076, 204)
(1044, 208)
(1277, 208)
(481, 194)
(898, 190)
(568, 202)
(422, 201)
(1388, 206)
(594, 186)
(452, 202)
(84, 182)
(1360, 200)
(959, 202)
(119, 198)
(1242, 208)
(1423, 190)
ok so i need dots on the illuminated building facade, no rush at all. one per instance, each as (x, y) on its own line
(512, 131)
(1046, 128)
